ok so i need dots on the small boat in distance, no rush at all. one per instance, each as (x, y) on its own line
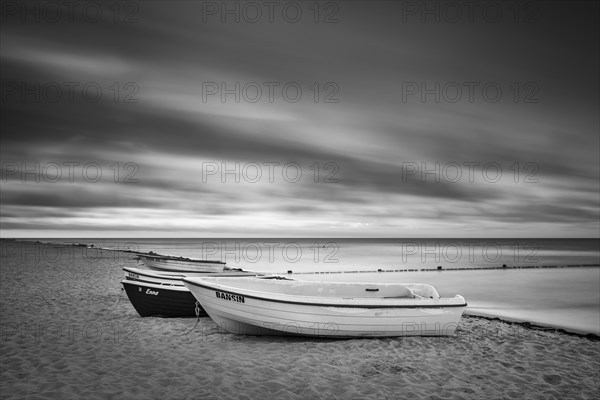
(282, 306)
(180, 264)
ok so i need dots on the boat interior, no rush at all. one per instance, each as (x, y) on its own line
(330, 289)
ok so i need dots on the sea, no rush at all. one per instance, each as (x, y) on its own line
(550, 282)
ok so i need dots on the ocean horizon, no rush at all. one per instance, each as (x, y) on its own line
(306, 255)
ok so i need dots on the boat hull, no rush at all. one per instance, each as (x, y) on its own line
(155, 300)
(240, 313)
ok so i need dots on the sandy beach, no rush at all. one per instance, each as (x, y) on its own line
(69, 333)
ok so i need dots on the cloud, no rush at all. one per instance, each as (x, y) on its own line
(393, 157)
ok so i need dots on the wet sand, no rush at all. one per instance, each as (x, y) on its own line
(67, 333)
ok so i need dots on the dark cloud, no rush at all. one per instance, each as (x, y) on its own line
(374, 136)
(73, 197)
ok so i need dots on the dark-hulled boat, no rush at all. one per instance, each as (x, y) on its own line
(157, 300)
(163, 294)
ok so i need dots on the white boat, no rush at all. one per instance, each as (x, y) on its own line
(263, 306)
(180, 264)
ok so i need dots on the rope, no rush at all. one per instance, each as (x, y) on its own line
(197, 310)
(119, 299)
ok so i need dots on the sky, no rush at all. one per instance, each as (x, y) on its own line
(370, 119)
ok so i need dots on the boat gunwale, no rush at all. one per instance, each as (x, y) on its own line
(341, 305)
(144, 275)
(163, 274)
(179, 288)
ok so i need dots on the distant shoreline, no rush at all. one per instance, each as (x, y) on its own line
(439, 268)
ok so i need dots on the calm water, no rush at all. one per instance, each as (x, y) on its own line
(317, 255)
(566, 297)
